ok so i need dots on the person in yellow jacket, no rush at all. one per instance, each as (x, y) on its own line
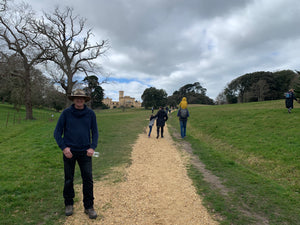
(183, 114)
(183, 104)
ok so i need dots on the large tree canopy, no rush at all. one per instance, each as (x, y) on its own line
(260, 86)
(195, 94)
(153, 97)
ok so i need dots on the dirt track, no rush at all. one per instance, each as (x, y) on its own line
(156, 190)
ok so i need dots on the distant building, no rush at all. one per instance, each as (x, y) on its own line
(124, 101)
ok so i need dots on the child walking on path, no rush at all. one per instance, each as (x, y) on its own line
(151, 123)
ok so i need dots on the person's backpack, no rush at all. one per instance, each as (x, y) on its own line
(183, 113)
(288, 95)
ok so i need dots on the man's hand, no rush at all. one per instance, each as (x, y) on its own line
(90, 152)
(67, 152)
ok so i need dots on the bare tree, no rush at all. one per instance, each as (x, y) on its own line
(17, 39)
(73, 52)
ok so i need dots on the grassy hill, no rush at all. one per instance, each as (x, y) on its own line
(254, 149)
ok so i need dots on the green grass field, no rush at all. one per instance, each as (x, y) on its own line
(31, 178)
(253, 148)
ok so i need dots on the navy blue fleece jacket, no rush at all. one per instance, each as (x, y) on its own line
(77, 129)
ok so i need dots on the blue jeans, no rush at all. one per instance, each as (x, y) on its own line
(183, 128)
(85, 165)
(150, 129)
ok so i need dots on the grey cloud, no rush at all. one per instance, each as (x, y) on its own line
(168, 43)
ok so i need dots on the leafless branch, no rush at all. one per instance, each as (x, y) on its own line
(70, 46)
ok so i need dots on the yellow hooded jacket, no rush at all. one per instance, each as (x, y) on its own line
(183, 104)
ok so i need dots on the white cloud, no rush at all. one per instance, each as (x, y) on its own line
(167, 44)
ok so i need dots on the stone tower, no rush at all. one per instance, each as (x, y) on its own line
(121, 98)
(121, 94)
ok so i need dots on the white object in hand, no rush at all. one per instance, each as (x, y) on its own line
(96, 154)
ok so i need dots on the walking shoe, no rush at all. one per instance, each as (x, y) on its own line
(157, 137)
(91, 212)
(69, 210)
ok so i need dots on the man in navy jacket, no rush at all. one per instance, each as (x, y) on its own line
(162, 117)
(76, 133)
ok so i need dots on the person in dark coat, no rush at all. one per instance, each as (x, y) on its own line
(76, 133)
(162, 117)
(289, 100)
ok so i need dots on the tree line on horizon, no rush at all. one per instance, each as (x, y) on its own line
(250, 87)
(260, 86)
(195, 93)
(256, 86)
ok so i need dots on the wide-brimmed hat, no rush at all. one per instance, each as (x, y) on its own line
(79, 94)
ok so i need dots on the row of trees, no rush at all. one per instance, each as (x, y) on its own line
(195, 93)
(256, 86)
(44, 92)
(259, 86)
(58, 41)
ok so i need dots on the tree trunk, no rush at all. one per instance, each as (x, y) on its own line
(68, 90)
(28, 102)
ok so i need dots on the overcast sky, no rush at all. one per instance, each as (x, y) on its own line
(169, 43)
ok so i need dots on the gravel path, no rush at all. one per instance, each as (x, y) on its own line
(156, 190)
